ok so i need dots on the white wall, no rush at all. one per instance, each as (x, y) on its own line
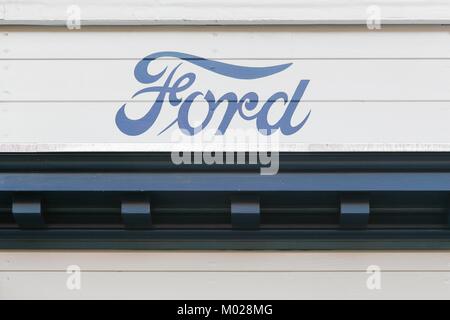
(64, 87)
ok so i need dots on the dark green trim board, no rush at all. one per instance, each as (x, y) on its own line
(226, 240)
(317, 201)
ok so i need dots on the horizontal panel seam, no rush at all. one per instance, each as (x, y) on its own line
(144, 101)
(236, 59)
(226, 271)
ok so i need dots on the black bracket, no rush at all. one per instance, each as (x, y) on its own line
(245, 212)
(355, 210)
(27, 211)
(136, 213)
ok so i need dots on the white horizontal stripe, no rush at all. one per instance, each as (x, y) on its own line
(224, 285)
(300, 261)
(227, 42)
(158, 147)
(359, 80)
(154, 12)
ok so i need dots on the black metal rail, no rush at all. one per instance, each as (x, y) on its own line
(144, 201)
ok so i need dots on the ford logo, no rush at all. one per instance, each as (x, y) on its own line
(174, 84)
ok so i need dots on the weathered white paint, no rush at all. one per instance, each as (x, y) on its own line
(226, 42)
(224, 275)
(230, 285)
(151, 12)
(224, 261)
(62, 93)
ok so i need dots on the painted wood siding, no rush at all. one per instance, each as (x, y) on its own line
(363, 83)
(224, 275)
(138, 12)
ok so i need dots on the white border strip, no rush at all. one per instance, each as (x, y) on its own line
(223, 12)
(155, 147)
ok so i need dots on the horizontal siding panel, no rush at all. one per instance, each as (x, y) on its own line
(335, 80)
(232, 42)
(227, 261)
(224, 285)
(225, 12)
(369, 123)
